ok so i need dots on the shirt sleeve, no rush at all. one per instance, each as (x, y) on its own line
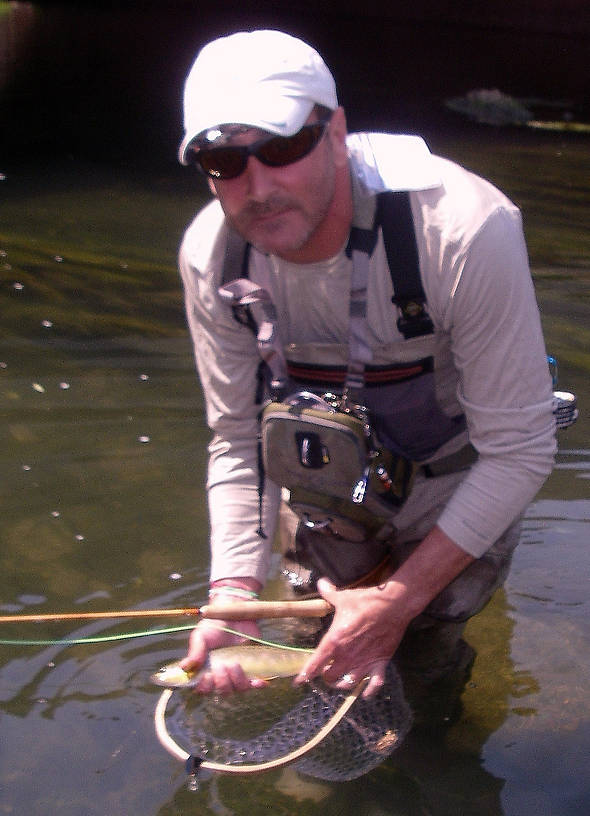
(504, 384)
(227, 362)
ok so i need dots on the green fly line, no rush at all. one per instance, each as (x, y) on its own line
(129, 635)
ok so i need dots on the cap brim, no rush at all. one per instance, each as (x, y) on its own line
(276, 114)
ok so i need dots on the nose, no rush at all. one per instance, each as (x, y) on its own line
(260, 180)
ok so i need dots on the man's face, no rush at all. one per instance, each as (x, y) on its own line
(295, 211)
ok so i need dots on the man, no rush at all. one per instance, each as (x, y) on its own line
(263, 122)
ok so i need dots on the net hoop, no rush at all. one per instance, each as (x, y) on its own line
(180, 753)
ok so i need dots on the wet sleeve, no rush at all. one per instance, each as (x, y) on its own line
(504, 388)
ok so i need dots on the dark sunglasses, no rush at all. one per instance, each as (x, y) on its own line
(274, 151)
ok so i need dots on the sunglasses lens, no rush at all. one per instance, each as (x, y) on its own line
(282, 150)
(229, 162)
(223, 162)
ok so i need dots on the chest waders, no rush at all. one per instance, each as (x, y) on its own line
(347, 440)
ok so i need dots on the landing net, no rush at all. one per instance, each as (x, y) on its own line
(323, 732)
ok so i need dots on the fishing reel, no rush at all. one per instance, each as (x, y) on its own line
(565, 408)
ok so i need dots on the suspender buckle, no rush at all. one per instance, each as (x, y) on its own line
(414, 320)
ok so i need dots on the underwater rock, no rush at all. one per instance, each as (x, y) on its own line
(490, 107)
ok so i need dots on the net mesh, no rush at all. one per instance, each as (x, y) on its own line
(261, 725)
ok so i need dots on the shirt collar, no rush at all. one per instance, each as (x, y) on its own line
(383, 161)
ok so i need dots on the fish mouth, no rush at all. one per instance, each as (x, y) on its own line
(168, 678)
(159, 678)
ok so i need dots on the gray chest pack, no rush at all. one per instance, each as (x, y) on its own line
(347, 441)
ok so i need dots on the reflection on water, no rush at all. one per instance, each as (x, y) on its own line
(102, 469)
(79, 463)
(541, 750)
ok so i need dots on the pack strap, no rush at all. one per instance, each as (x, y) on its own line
(241, 294)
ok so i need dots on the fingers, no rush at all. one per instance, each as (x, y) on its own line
(324, 654)
(197, 651)
(219, 677)
(342, 658)
(209, 634)
(347, 682)
(204, 637)
(318, 663)
(226, 678)
(327, 589)
(375, 683)
(376, 678)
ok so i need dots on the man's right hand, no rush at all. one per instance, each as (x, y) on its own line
(228, 677)
(211, 634)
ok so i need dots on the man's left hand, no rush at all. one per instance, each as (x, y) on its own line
(362, 639)
(370, 622)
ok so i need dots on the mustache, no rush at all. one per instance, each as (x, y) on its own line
(272, 205)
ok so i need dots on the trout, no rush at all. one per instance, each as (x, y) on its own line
(257, 662)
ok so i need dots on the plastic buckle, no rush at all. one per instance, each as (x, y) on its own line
(414, 320)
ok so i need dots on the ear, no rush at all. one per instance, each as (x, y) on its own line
(338, 132)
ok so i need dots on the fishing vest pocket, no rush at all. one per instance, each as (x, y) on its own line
(332, 465)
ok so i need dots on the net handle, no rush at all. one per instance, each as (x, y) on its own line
(173, 748)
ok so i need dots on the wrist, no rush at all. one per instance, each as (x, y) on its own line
(238, 589)
(406, 604)
(394, 595)
(229, 593)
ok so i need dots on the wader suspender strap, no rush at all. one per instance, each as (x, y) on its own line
(361, 244)
(394, 216)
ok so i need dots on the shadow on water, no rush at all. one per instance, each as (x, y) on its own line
(103, 436)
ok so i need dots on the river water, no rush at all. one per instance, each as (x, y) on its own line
(102, 460)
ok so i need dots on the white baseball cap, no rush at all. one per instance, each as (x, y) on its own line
(262, 79)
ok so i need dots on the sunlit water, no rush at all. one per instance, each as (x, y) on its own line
(102, 469)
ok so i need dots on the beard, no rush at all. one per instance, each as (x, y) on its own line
(283, 223)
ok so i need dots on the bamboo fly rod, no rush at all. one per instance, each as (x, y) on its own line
(239, 610)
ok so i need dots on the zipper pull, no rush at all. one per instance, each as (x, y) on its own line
(360, 488)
